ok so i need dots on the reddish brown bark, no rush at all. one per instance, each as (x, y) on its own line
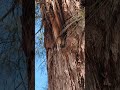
(65, 58)
(102, 45)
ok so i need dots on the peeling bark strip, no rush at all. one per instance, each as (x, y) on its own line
(102, 45)
(63, 21)
(28, 38)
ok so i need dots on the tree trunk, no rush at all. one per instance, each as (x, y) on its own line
(28, 38)
(102, 45)
(63, 22)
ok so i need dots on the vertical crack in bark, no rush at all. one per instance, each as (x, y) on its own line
(63, 69)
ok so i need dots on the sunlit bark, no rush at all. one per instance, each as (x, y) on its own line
(63, 21)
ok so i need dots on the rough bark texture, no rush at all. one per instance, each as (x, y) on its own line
(102, 45)
(63, 21)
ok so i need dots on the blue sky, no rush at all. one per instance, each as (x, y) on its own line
(40, 58)
(40, 55)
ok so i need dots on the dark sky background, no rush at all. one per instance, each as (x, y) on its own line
(13, 70)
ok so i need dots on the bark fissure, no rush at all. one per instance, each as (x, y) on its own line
(63, 23)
